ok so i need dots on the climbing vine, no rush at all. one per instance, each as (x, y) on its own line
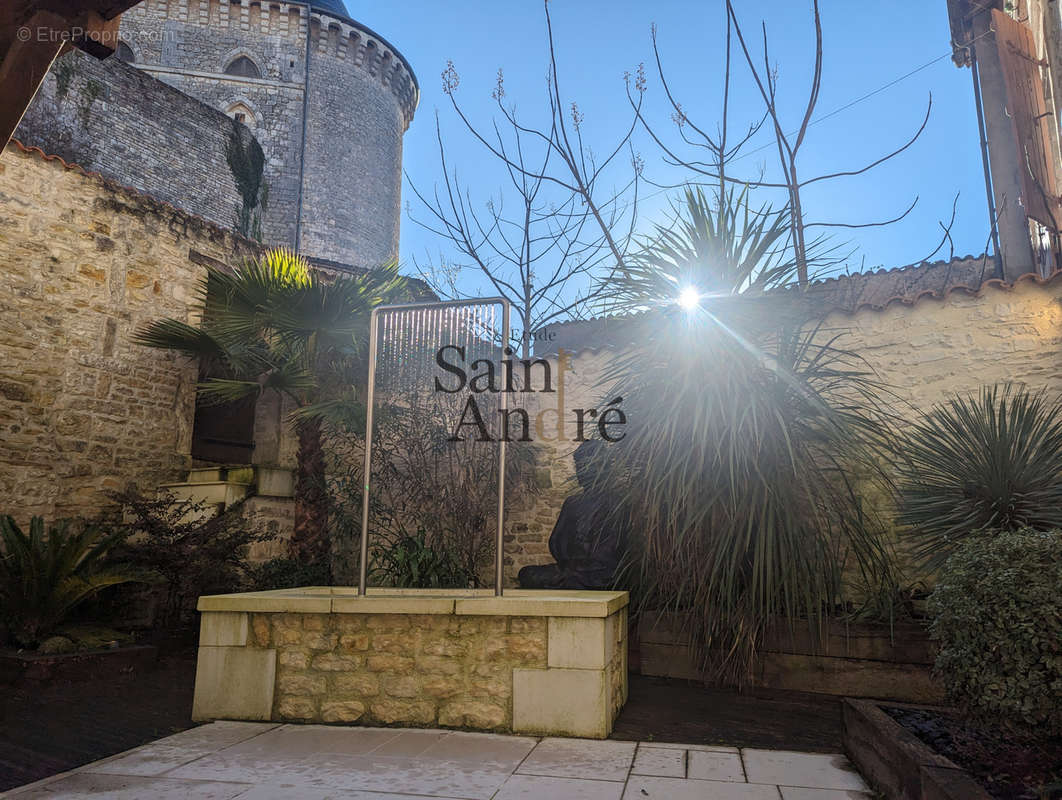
(64, 74)
(246, 162)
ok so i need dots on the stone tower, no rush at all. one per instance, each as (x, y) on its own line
(327, 98)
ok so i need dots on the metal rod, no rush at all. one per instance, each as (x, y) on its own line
(498, 563)
(984, 162)
(364, 548)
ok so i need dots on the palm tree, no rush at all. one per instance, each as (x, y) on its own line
(748, 432)
(275, 325)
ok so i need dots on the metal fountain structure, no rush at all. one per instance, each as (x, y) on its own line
(409, 332)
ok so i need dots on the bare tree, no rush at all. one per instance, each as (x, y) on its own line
(563, 224)
(808, 250)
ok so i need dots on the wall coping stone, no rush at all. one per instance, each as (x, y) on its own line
(460, 602)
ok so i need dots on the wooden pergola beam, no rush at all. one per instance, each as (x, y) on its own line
(34, 32)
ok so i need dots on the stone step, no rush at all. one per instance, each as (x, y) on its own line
(222, 493)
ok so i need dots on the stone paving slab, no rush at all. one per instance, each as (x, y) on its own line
(265, 761)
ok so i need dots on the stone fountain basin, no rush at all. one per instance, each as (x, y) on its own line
(541, 662)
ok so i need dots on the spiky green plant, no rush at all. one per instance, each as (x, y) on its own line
(987, 462)
(45, 575)
(275, 325)
(748, 438)
(719, 245)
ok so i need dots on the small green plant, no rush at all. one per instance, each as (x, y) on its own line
(997, 614)
(45, 575)
(411, 562)
(989, 462)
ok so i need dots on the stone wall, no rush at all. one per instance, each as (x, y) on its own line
(399, 669)
(337, 173)
(114, 119)
(925, 350)
(543, 663)
(188, 45)
(361, 100)
(86, 262)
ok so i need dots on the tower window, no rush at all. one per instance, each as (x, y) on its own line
(241, 113)
(124, 53)
(243, 67)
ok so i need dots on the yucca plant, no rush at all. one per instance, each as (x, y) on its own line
(275, 325)
(749, 437)
(719, 245)
(45, 575)
(990, 461)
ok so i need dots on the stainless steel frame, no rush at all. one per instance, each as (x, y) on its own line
(373, 342)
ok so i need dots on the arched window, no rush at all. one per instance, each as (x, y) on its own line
(243, 67)
(124, 53)
(241, 113)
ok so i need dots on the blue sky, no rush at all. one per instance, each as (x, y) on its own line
(867, 45)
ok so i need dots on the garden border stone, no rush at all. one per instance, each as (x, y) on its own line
(21, 668)
(896, 762)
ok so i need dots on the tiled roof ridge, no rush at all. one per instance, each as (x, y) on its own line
(829, 279)
(937, 294)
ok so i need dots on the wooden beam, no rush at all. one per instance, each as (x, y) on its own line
(34, 33)
(24, 66)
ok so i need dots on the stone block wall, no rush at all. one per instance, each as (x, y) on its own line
(544, 663)
(82, 408)
(399, 669)
(188, 45)
(114, 119)
(924, 352)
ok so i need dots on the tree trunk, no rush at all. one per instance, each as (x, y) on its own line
(310, 543)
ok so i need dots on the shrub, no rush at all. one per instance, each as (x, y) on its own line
(997, 614)
(287, 573)
(44, 576)
(993, 461)
(411, 562)
(194, 551)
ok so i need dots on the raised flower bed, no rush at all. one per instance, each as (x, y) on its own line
(541, 662)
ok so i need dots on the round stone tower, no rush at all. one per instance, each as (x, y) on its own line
(327, 98)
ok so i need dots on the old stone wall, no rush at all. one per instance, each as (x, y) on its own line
(361, 100)
(399, 669)
(924, 351)
(114, 119)
(86, 262)
(188, 45)
(339, 170)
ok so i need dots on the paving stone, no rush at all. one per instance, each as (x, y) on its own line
(712, 766)
(580, 758)
(810, 770)
(659, 761)
(647, 788)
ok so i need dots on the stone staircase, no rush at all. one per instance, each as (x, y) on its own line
(220, 487)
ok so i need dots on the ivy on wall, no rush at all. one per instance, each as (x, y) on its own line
(246, 162)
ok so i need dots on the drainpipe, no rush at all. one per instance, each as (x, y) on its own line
(302, 147)
(984, 162)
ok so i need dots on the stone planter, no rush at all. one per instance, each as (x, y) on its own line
(852, 660)
(539, 662)
(18, 669)
(897, 763)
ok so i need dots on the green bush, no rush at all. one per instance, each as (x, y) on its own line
(997, 615)
(288, 573)
(191, 549)
(45, 575)
(411, 562)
